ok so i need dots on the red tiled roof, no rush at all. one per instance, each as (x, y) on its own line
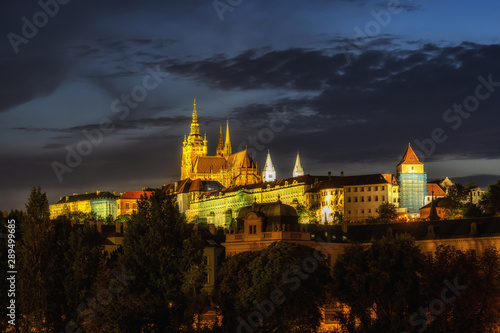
(207, 164)
(196, 185)
(409, 157)
(435, 190)
(135, 194)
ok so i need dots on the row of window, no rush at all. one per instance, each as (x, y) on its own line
(368, 198)
(349, 212)
(127, 205)
(369, 188)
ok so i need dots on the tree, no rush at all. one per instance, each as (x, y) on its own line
(37, 278)
(380, 279)
(387, 211)
(234, 276)
(306, 215)
(162, 254)
(460, 291)
(278, 289)
(454, 201)
(83, 260)
(490, 201)
(471, 210)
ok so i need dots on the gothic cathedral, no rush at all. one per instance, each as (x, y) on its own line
(227, 168)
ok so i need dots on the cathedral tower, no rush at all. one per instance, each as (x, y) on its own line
(269, 171)
(192, 147)
(297, 170)
(220, 145)
(412, 181)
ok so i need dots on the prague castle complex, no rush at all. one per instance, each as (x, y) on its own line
(213, 188)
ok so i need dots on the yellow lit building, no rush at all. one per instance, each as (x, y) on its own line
(225, 167)
(127, 202)
(364, 195)
(102, 204)
(221, 207)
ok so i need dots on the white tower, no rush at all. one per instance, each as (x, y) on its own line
(297, 170)
(269, 171)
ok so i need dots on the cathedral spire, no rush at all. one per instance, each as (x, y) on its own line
(297, 170)
(227, 146)
(220, 145)
(269, 171)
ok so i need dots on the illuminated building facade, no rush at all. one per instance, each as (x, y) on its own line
(127, 202)
(101, 203)
(364, 194)
(225, 167)
(221, 207)
(412, 181)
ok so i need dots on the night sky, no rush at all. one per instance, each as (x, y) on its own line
(355, 80)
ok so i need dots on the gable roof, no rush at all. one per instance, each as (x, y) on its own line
(435, 190)
(241, 160)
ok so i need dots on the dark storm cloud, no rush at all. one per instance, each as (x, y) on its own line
(26, 78)
(399, 94)
(133, 124)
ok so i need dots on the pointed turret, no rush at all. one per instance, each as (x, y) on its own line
(227, 145)
(410, 163)
(269, 171)
(409, 157)
(297, 170)
(220, 145)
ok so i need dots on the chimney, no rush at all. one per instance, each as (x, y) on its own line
(97, 192)
(99, 226)
(341, 173)
(118, 227)
(114, 193)
(344, 227)
(329, 175)
(175, 186)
